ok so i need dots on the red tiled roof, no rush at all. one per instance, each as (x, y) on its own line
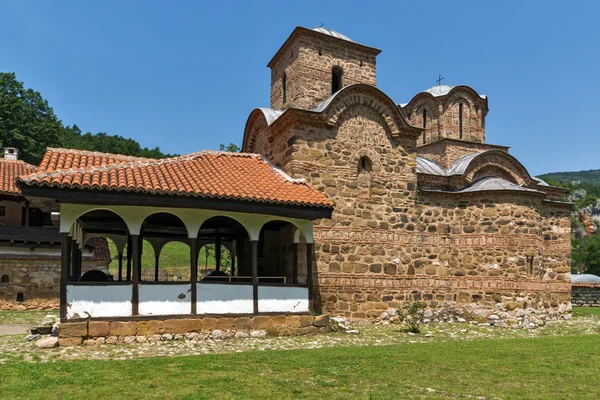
(57, 159)
(9, 171)
(100, 247)
(207, 174)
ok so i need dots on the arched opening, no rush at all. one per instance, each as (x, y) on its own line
(494, 171)
(284, 88)
(224, 254)
(165, 252)
(4, 279)
(424, 125)
(277, 253)
(364, 164)
(460, 121)
(336, 79)
(96, 254)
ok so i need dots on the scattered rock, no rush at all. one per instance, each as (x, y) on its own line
(31, 338)
(216, 334)
(257, 334)
(352, 332)
(129, 339)
(241, 335)
(47, 342)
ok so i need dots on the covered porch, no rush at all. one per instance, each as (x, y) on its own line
(269, 270)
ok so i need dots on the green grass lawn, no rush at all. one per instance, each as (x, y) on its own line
(539, 368)
(584, 311)
(30, 317)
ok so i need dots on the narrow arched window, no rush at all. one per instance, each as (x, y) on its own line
(4, 279)
(424, 124)
(460, 120)
(284, 87)
(364, 164)
(336, 79)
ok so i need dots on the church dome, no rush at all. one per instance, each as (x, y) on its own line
(331, 32)
(440, 90)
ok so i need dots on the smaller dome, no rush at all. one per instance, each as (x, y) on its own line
(331, 32)
(440, 90)
(585, 278)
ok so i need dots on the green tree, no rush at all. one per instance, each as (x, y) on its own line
(27, 122)
(231, 147)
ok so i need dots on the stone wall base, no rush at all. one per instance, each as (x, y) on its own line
(32, 304)
(585, 296)
(114, 332)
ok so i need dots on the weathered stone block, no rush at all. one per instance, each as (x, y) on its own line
(321, 320)
(73, 329)
(183, 325)
(306, 320)
(98, 328)
(242, 323)
(261, 323)
(226, 323)
(66, 342)
(209, 324)
(118, 328)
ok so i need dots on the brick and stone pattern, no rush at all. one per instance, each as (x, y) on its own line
(307, 59)
(114, 332)
(443, 115)
(388, 244)
(585, 295)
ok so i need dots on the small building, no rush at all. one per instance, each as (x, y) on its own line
(230, 199)
(585, 290)
(30, 243)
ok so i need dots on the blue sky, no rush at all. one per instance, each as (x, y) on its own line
(185, 75)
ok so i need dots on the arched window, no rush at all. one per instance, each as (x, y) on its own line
(364, 165)
(4, 279)
(424, 124)
(460, 120)
(336, 79)
(284, 87)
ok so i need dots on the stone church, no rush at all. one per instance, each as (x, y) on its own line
(425, 209)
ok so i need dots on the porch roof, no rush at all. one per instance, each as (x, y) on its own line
(207, 174)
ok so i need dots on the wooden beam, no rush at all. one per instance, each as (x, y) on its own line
(218, 252)
(135, 292)
(254, 252)
(194, 272)
(65, 257)
(120, 267)
(79, 196)
(295, 263)
(309, 274)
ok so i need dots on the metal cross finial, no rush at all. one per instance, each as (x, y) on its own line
(322, 25)
(440, 78)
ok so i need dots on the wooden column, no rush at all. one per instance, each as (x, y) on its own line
(239, 251)
(129, 253)
(254, 255)
(156, 257)
(135, 292)
(295, 263)
(73, 269)
(233, 249)
(65, 258)
(194, 272)
(309, 274)
(218, 252)
(120, 267)
(27, 212)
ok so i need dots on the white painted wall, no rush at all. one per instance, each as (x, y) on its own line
(282, 299)
(214, 298)
(165, 299)
(99, 301)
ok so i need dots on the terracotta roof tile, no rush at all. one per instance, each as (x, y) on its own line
(9, 171)
(208, 174)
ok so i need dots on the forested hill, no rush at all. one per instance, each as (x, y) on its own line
(591, 177)
(28, 123)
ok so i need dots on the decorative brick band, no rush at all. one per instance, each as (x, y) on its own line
(451, 283)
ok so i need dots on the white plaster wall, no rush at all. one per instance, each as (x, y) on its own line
(99, 301)
(224, 299)
(282, 299)
(165, 299)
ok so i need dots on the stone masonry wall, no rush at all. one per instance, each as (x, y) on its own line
(446, 152)
(585, 295)
(308, 63)
(37, 279)
(113, 332)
